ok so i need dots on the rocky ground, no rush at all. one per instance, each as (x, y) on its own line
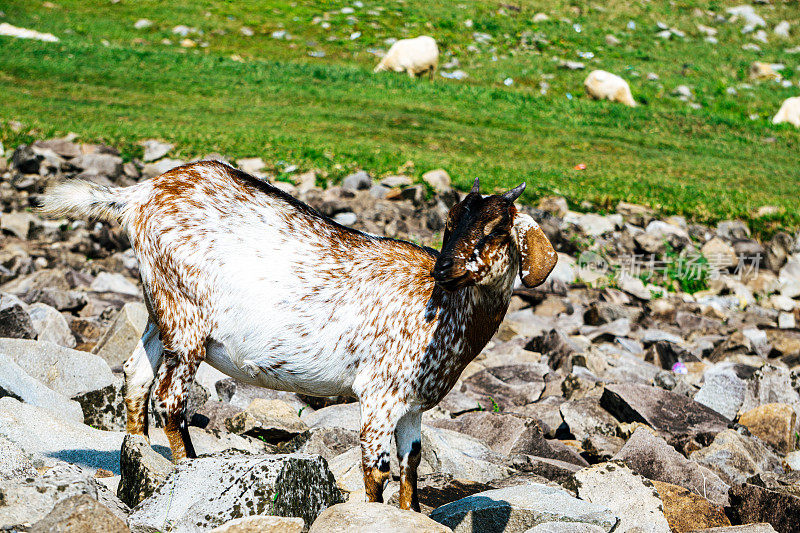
(651, 384)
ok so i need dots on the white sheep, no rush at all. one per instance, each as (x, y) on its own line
(414, 56)
(789, 112)
(604, 85)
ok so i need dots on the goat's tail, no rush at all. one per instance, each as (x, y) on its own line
(80, 198)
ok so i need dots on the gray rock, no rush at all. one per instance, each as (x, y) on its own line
(561, 527)
(632, 498)
(262, 524)
(462, 456)
(652, 457)
(520, 508)
(78, 375)
(155, 149)
(677, 418)
(99, 164)
(15, 322)
(506, 386)
(723, 390)
(142, 470)
(20, 223)
(120, 340)
(14, 462)
(211, 490)
(273, 421)
(241, 394)
(348, 218)
(17, 384)
(80, 514)
(112, 282)
(330, 442)
(736, 457)
(50, 325)
(344, 415)
(438, 179)
(585, 418)
(26, 160)
(749, 528)
(361, 517)
(550, 469)
(63, 147)
(30, 500)
(357, 181)
(772, 384)
(161, 166)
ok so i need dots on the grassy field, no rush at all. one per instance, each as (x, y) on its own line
(264, 96)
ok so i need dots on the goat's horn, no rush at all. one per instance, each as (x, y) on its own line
(515, 193)
(475, 186)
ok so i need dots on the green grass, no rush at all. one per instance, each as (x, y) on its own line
(107, 81)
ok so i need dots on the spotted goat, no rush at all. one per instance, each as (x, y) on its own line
(264, 288)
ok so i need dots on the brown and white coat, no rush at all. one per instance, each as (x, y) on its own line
(262, 287)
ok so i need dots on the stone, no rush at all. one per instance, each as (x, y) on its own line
(240, 394)
(763, 71)
(15, 322)
(506, 386)
(77, 375)
(557, 205)
(585, 417)
(508, 434)
(270, 420)
(19, 224)
(606, 312)
(750, 503)
(772, 384)
(676, 417)
(723, 390)
(330, 442)
(544, 467)
(213, 489)
(650, 456)
(14, 462)
(262, 524)
(363, 517)
(736, 457)
(561, 527)
(357, 181)
(749, 528)
(142, 470)
(80, 514)
(25, 502)
(50, 325)
(26, 160)
(112, 282)
(629, 496)
(462, 456)
(121, 338)
(161, 166)
(520, 508)
(155, 149)
(719, 253)
(594, 225)
(773, 423)
(99, 164)
(15, 383)
(685, 511)
(438, 179)
(63, 147)
(346, 416)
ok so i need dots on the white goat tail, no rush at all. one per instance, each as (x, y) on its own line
(80, 198)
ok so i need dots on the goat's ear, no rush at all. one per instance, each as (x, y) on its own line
(537, 256)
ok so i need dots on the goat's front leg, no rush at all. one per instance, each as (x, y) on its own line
(174, 378)
(379, 416)
(140, 371)
(408, 437)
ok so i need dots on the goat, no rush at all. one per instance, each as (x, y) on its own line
(413, 56)
(261, 286)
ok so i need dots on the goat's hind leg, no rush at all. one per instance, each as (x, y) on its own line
(408, 437)
(140, 371)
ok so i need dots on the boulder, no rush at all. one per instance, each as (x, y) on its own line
(750, 503)
(462, 456)
(50, 325)
(506, 386)
(213, 489)
(773, 423)
(99, 164)
(78, 375)
(631, 498)
(14, 462)
(438, 179)
(80, 514)
(723, 390)
(719, 253)
(30, 500)
(749, 528)
(241, 394)
(119, 340)
(357, 181)
(685, 511)
(585, 417)
(653, 458)
(565, 527)
(142, 470)
(155, 149)
(330, 442)
(362, 517)
(15, 322)
(544, 467)
(14, 382)
(345, 416)
(270, 420)
(736, 457)
(772, 384)
(676, 417)
(520, 508)
(262, 524)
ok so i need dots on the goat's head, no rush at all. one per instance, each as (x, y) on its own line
(480, 237)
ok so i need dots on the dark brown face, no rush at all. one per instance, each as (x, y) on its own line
(477, 235)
